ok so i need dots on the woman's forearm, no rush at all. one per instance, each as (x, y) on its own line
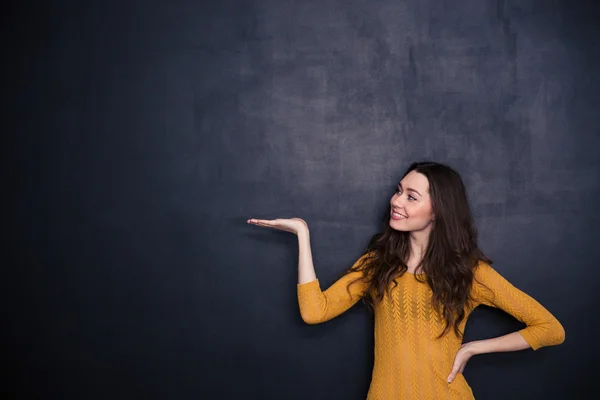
(306, 269)
(511, 342)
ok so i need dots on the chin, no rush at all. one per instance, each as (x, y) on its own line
(395, 227)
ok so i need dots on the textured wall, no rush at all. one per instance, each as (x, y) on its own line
(146, 133)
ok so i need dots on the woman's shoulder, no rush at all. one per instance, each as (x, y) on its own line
(483, 274)
(366, 257)
(362, 266)
(483, 269)
(486, 281)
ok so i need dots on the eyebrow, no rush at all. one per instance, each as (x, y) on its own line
(409, 189)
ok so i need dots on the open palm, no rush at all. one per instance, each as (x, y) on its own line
(293, 225)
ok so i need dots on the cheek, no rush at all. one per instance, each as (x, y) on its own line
(421, 212)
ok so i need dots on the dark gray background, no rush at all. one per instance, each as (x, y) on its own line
(142, 136)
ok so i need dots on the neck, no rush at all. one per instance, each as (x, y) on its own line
(418, 245)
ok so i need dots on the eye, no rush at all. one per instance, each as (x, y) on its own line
(411, 198)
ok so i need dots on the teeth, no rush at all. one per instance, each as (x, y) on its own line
(398, 215)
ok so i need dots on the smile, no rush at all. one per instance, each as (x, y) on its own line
(395, 215)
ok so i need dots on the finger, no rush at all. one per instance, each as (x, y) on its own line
(259, 221)
(452, 375)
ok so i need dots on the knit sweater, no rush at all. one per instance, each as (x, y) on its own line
(410, 363)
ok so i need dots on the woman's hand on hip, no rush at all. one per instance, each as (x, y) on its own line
(460, 360)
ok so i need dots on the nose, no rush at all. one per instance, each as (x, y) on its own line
(398, 202)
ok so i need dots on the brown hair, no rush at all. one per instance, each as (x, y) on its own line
(451, 255)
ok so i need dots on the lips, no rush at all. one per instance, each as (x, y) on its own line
(397, 215)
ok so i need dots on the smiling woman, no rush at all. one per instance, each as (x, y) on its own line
(422, 276)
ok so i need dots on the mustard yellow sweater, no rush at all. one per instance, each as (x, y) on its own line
(410, 363)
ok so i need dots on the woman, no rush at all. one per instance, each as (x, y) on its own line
(422, 276)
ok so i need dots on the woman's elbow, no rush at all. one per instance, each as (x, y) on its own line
(555, 333)
(310, 317)
(311, 321)
(559, 333)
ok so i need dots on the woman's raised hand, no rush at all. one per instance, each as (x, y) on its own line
(293, 225)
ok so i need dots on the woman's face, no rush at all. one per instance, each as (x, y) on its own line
(413, 203)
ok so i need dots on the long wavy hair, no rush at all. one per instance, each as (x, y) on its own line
(450, 258)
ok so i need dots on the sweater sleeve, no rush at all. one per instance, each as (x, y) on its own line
(543, 329)
(318, 306)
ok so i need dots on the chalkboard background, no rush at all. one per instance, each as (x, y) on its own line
(139, 136)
